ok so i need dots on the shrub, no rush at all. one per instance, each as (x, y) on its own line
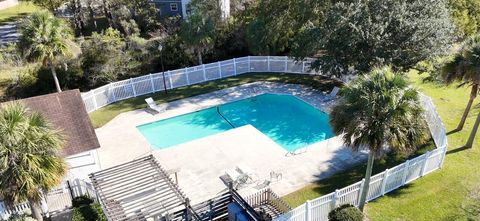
(345, 212)
(81, 201)
(22, 216)
(89, 212)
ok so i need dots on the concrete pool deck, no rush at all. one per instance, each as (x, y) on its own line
(200, 163)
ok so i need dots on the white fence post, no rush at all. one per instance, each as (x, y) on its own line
(204, 73)
(185, 71)
(234, 66)
(133, 87)
(151, 82)
(44, 206)
(334, 201)
(170, 79)
(405, 172)
(249, 65)
(307, 211)
(303, 66)
(443, 156)
(94, 100)
(424, 166)
(220, 69)
(112, 92)
(286, 63)
(268, 63)
(384, 181)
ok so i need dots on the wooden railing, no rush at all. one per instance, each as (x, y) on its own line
(268, 198)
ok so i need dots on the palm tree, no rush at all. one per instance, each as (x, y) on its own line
(197, 33)
(465, 68)
(378, 111)
(29, 156)
(46, 38)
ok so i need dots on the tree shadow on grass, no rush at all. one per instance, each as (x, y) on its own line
(460, 149)
(405, 189)
(452, 132)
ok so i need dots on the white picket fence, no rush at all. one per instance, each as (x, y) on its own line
(151, 83)
(316, 209)
(382, 183)
(56, 200)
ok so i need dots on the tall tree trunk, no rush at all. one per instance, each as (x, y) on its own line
(106, 11)
(473, 95)
(199, 56)
(91, 13)
(36, 211)
(55, 78)
(366, 184)
(473, 133)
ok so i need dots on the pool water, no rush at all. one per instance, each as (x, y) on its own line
(287, 120)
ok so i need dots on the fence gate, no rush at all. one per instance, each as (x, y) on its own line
(60, 198)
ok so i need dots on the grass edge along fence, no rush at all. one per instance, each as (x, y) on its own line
(382, 183)
(151, 83)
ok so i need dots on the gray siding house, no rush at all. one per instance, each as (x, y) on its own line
(171, 7)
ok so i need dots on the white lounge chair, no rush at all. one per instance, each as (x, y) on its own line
(251, 174)
(332, 94)
(238, 178)
(153, 106)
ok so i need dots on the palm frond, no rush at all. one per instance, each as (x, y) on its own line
(377, 110)
(29, 154)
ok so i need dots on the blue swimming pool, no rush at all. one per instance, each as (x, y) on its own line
(287, 120)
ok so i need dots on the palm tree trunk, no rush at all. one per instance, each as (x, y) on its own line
(473, 133)
(36, 211)
(473, 95)
(366, 183)
(55, 78)
(199, 56)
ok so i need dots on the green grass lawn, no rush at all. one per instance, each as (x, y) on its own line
(17, 12)
(437, 196)
(105, 114)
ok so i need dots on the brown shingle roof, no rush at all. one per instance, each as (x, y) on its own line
(66, 111)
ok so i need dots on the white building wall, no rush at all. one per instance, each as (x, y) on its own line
(82, 164)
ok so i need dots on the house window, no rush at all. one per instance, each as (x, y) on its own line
(173, 7)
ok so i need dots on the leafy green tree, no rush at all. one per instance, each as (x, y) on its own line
(466, 15)
(104, 57)
(46, 38)
(465, 68)
(29, 156)
(109, 57)
(376, 112)
(144, 14)
(207, 8)
(274, 23)
(197, 33)
(361, 35)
